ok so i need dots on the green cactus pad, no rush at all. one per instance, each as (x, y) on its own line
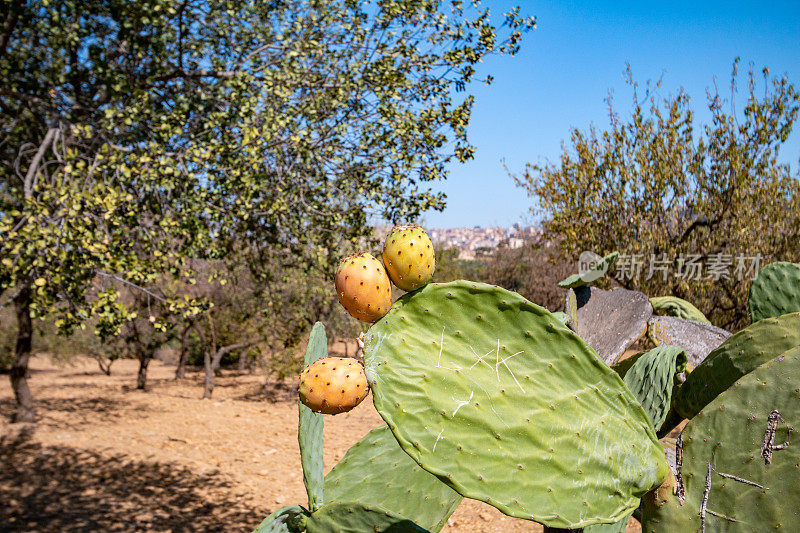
(354, 517)
(610, 321)
(309, 433)
(651, 379)
(377, 472)
(775, 291)
(663, 512)
(572, 303)
(697, 338)
(736, 473)
(617, 527)
(737, 356)
(561, 317)
(505, 404)
(677, 307)
(289, 519)
(597, 271)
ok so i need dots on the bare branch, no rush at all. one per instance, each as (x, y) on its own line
(37, 159)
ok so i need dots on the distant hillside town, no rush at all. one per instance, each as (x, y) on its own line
(471, 242)
(474, 241)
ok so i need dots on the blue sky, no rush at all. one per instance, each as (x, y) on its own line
(578, 52)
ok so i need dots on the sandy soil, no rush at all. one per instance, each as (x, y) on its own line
(106, 457)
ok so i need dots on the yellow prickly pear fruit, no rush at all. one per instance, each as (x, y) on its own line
(408, 257)
(333, 385)
(363, 287)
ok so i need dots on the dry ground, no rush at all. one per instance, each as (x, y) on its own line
(105, 457)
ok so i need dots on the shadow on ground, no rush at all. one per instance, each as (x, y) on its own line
(58, 488)
(81, 410)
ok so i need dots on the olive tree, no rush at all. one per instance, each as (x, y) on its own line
(139, 135)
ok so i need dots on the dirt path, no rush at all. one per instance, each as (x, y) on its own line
(105, 457)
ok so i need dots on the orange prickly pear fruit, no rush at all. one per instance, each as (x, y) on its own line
(333, 385)
(408, 257)
(363, 287)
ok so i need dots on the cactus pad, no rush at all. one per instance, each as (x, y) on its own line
(309, 431)
(505, 404)
(561, 317)
(737, 356)
(697, 338)
(775, 291)
(677, 307)
(651, 379)
(377, 472)
(617, 527)
(289, 519)
(610, 321)
(354, 517)
(739, 458)
(597, 271)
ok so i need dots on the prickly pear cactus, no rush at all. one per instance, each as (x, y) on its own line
(775, 291)
(377, 472)
(651, 378)
(617, 527)
(737, 467)
(289, 519)
(737, 356)
(677, 307)
(663, 511)
(355, 517)
(697, 338)
(561, 317)
(575, 299)
(309, 432)
(505, 404)
(597, 271)
(363, 288)
(408, 257)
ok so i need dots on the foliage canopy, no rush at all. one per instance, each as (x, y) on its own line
(653, 186)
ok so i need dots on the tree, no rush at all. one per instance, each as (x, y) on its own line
(140, 135)
(533, 270)
(652, 187)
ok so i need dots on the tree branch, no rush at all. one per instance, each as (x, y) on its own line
(37, 159)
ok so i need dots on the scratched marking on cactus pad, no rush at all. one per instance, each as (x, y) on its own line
(441, 347)
(461, 403)
(480, 359)
(439, 436)
(497, 362)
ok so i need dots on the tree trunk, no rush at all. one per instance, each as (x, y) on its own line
(242, 360)
(141, 378)
(22, 354)
(208, 386)
(180, 372)
(251, 364)
(215, 362)
(104, 364)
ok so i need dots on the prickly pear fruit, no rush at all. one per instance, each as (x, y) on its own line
(363, 287)
(333, 385)
(408, 257)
